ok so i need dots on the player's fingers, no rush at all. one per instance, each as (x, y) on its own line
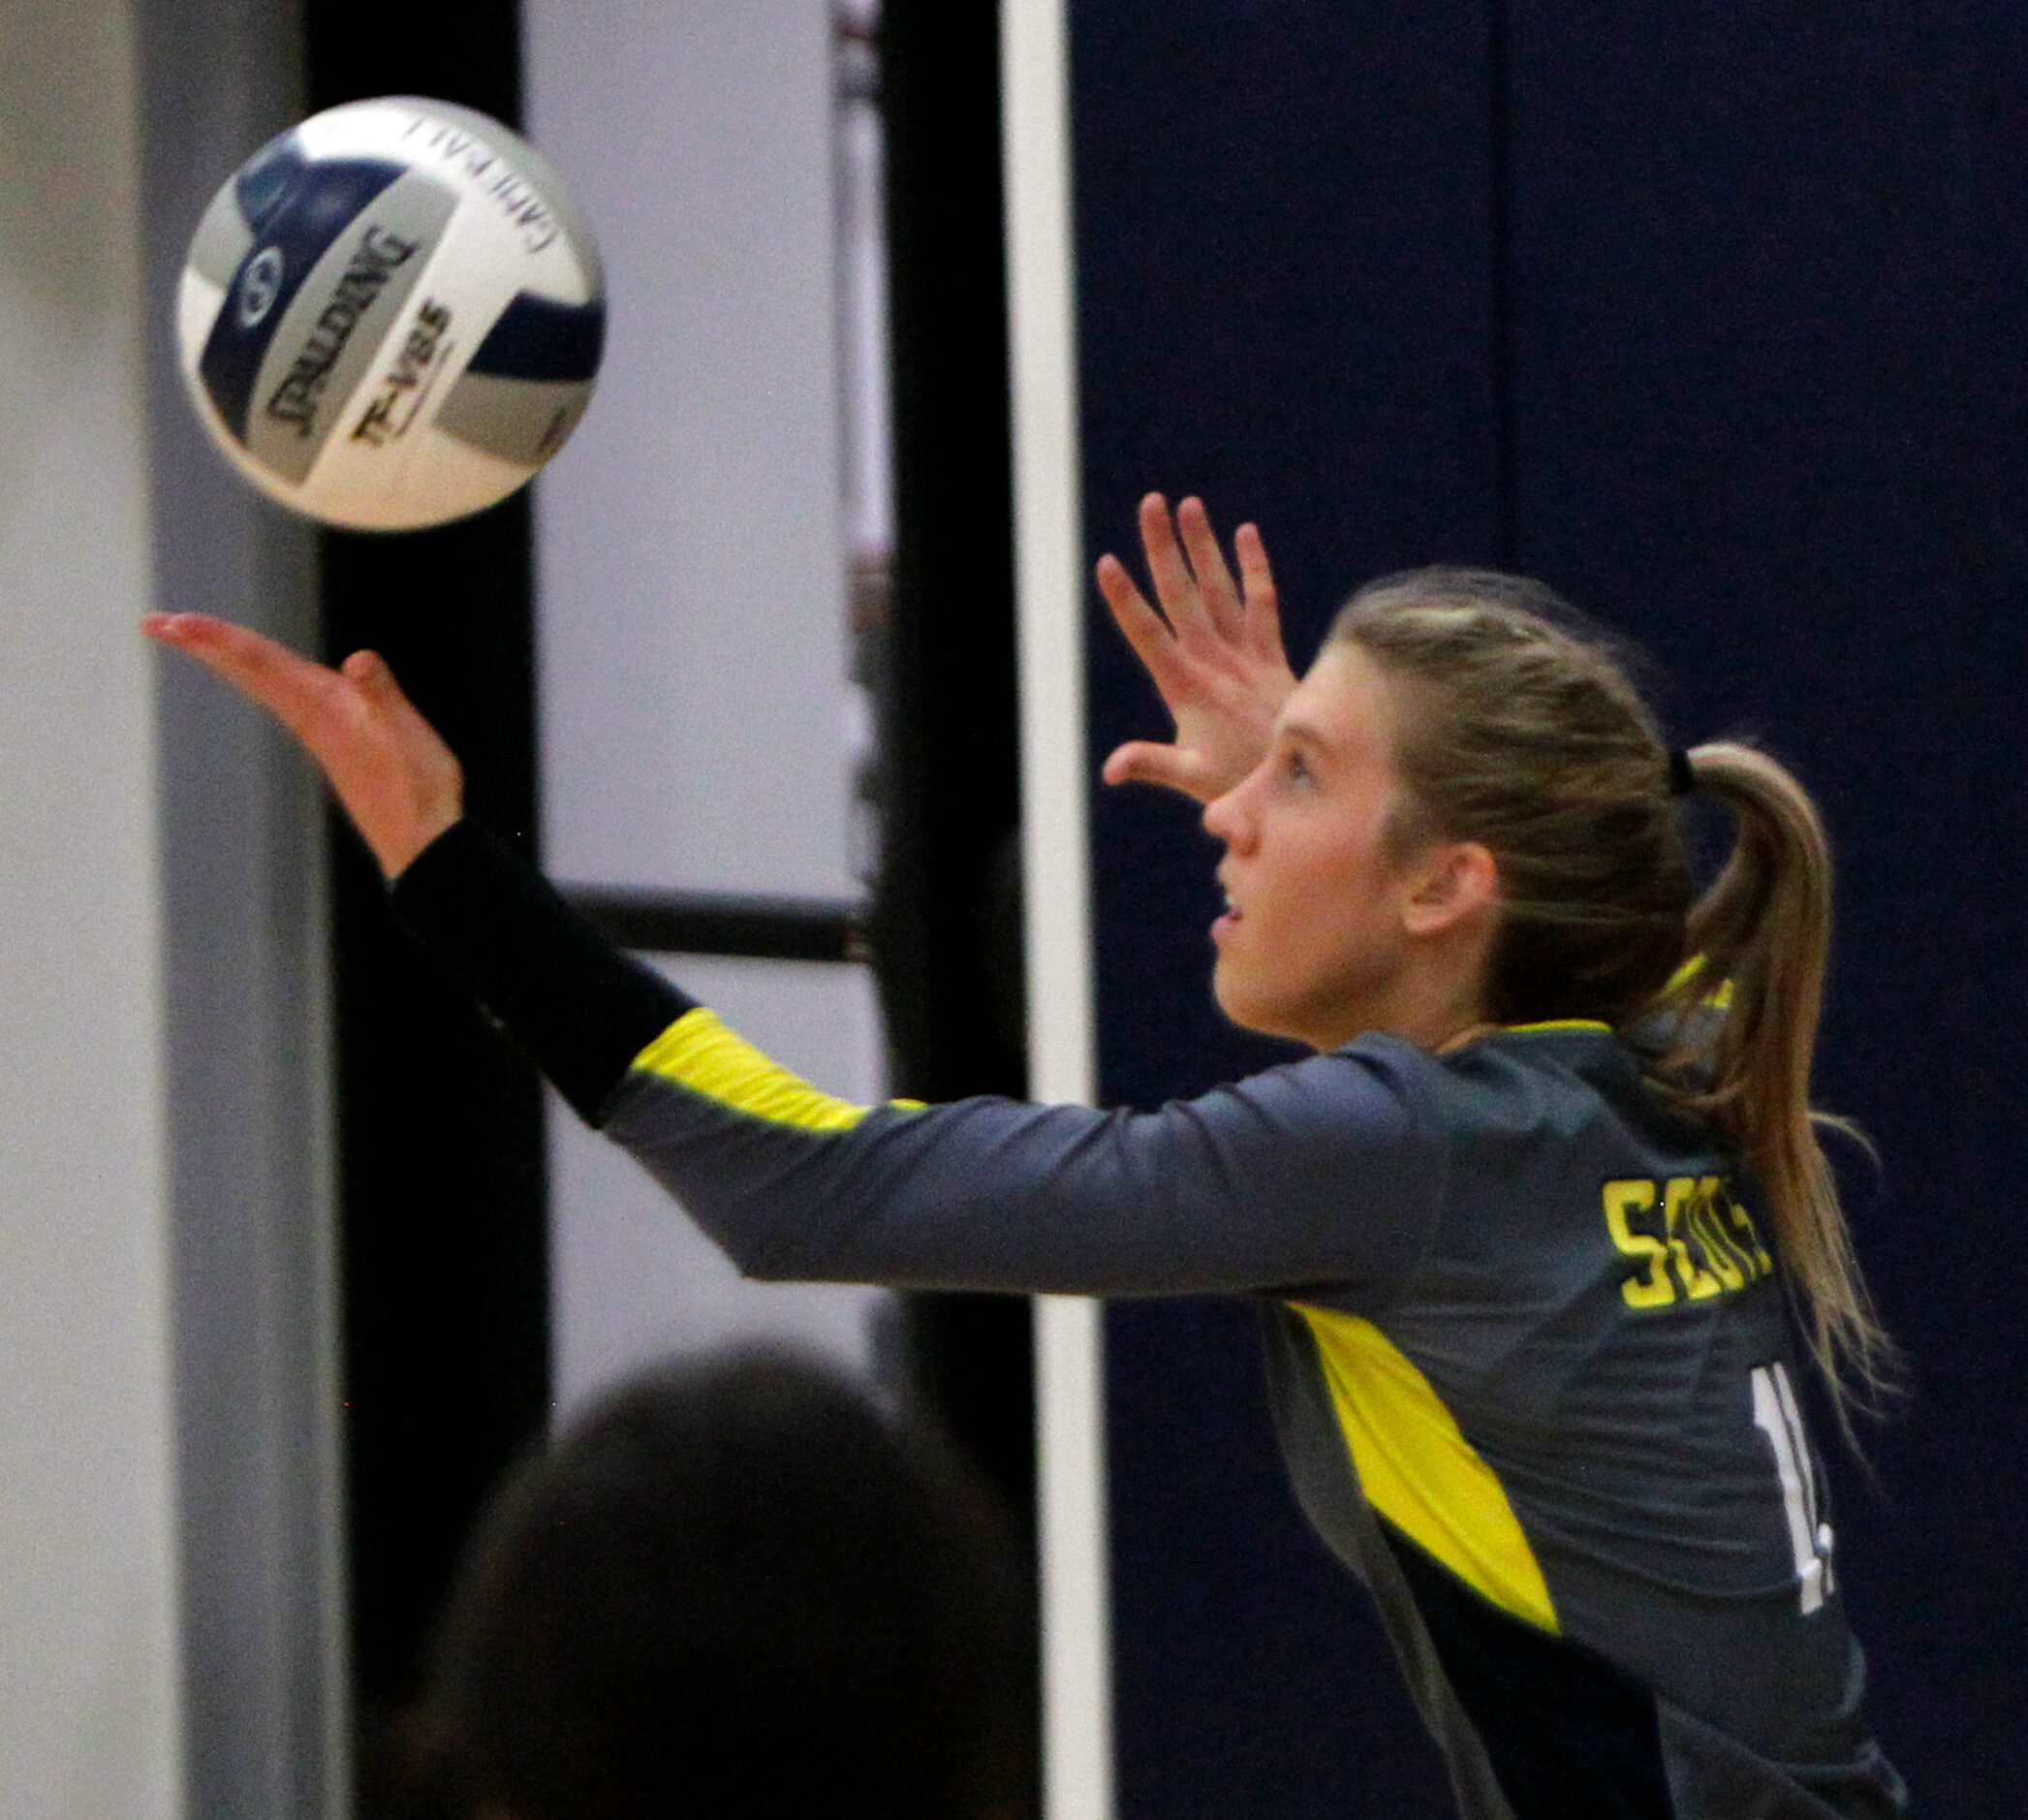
(297, 691)
(1175, 587)
(1144, 762)
(1214, 580)
(1262, 608)
(1144, 629)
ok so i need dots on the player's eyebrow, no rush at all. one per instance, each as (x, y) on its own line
(1301, 732)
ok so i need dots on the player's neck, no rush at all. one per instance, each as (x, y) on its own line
(1435, 1011)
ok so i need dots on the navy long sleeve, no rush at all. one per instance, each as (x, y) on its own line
(1314, 1172)
(580, 1007)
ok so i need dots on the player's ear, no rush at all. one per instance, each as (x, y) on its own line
(1454, 882)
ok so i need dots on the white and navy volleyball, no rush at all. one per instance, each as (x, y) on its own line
(392, 316)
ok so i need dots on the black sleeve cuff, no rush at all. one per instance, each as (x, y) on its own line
(580, 1008)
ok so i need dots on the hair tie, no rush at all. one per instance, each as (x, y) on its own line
(1682, 779)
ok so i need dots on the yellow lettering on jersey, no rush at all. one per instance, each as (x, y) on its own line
(1718, 1240)
(1701, 1215)
(1652, 1289)
(1680, 1196)
(1744, 1233)
(1689, 1232)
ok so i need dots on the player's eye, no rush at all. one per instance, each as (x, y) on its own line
(1295, 768)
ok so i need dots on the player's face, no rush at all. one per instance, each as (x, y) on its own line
(1312, 945)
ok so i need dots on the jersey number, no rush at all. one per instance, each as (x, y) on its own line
(1776, 1416)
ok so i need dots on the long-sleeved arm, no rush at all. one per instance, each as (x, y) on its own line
(1314, 1175)
(580, 1008)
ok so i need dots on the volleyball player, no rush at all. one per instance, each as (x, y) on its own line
(1528, 1228)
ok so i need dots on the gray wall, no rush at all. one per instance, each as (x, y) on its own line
(168, 1636)
(89, 1709)
(245, 990)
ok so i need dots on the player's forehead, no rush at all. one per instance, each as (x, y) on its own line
(1345, 705)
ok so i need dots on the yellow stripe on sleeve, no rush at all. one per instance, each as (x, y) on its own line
(1419, 1473)
(700, 1053)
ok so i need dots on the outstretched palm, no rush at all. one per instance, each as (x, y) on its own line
(395, 775)
(1214, 651)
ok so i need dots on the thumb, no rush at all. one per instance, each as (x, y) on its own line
(369, 670)
(388, 708)
(1145, 762)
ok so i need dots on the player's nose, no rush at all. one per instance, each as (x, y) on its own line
(1230, 818)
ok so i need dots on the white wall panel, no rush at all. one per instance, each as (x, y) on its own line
(689, 541)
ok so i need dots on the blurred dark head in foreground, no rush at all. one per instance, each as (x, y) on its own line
(731, 1589)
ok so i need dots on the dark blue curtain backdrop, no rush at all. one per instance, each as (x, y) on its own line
(1720, 331)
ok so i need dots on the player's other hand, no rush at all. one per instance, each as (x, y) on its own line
(395, 777)
(1214, 651)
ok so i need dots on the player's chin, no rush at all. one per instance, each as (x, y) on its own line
(1242, 999)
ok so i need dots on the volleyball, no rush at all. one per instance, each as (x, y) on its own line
(392, 315)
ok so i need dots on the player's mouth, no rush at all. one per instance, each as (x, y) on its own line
(1224, 926)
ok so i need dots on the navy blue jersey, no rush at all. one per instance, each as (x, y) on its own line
(1528, 1341)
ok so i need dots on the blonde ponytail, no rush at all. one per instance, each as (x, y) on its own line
(1763, 930)
(1526, 734)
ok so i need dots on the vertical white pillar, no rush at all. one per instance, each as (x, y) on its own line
(1049, 579)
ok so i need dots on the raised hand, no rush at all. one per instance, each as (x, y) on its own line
(1214, 651)
(395, 777)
